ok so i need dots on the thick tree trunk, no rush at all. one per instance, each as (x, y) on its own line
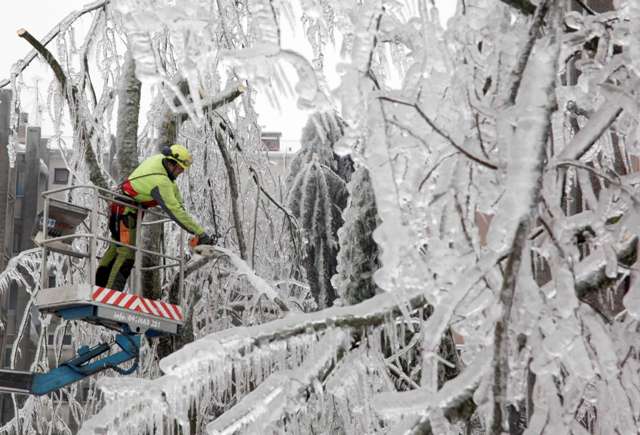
(128, 112)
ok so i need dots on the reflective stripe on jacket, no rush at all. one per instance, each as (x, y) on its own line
(149, 184)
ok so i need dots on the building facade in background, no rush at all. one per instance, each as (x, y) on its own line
(36, 168)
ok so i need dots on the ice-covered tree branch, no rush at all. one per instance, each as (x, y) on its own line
(284, 390)
(417, 405)
(590, 133)
(57, 30)
(537, 102)
(370, 313)
(258, 283)
(439, 131)
(225, 97)
(523, 58)
(219, 354)
(232, 182)
(80, 125)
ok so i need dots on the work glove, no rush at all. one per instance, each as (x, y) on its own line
(207, 239)
(202, 239)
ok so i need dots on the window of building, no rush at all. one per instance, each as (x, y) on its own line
(19, 183)
(17, 240)
(66, 340)
(271, 144)
(7, 357)
(13, 296)
(271, 140)
(60, 176)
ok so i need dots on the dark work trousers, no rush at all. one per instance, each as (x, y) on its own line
(116, 264)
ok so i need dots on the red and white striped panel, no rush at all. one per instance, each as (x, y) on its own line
(136, 303)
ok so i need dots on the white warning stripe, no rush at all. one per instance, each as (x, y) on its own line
(113, 298)
(124, 300)
(172, 310)
(160, 309)
(149, 304)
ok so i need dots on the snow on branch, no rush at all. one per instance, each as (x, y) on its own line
(25, 264)
(283, 390)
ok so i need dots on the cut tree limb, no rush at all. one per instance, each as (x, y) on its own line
(225, 97)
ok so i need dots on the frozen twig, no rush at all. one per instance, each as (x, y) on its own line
(441, 132)
(590, 273)
(590, 133)
(523, 58)
(419, 404)
(586, 7)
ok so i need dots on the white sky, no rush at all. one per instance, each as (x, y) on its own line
(40, 16)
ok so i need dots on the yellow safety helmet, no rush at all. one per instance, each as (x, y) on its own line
(178, 154)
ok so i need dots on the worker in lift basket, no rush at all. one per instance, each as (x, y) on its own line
(152, 183)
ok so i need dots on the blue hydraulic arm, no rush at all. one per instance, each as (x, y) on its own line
(81, 366)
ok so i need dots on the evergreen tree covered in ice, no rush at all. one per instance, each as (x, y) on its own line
(358, 255)
(317, 194)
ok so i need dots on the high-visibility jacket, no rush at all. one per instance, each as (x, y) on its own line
(150, 185)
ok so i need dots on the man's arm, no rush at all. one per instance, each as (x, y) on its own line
(165, 195)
